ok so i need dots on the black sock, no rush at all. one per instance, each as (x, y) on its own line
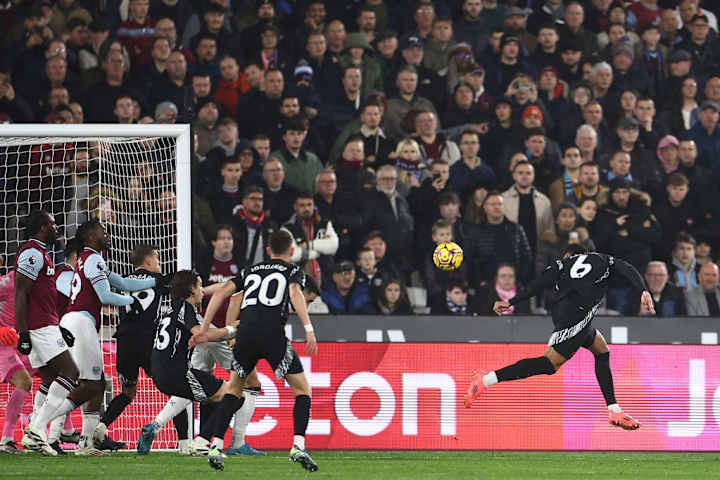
(227, 408)
(527, 367)
(207, 410)
(180, 421)
(301, 414)
(604, 377)
(116, 407)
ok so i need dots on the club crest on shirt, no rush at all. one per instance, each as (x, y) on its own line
(51, 271)
(234, 269)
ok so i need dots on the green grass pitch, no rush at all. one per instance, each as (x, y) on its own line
(375, 465)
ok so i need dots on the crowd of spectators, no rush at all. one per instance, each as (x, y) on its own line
(373, 130)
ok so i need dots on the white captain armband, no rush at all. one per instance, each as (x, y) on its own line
(309, 328)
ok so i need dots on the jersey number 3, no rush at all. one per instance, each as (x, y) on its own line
(580, 268)
(162, 337)
(257, 288)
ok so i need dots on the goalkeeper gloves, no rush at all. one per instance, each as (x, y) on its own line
(8, 336)
(67, 336)
(23, 345)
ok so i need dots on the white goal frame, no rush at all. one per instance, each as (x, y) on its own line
(181, 133)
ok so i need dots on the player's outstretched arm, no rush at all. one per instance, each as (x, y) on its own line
(218, 297)
(633, 276)
(130, 284)
(298, 302)
(233, 312)
(536, 286)
(212, 335)
(107, 296)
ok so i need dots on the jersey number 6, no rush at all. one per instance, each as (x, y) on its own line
(579, 268)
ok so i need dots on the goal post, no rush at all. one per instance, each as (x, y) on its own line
(136, 179)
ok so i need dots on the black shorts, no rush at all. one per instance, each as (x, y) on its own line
(191, 383)
(133, 353)
(276, 349)
(568, 347)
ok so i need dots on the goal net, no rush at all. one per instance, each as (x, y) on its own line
(136, 181)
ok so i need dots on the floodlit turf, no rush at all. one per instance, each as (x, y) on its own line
(375, 465)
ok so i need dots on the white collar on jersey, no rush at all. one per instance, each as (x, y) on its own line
(92, 250)
(38, 241)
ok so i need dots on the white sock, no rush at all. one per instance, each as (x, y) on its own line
(89, 422)
(218, 442)
(56, 396)
(614, 407)
(56, 427)
(64, 409)
(5, 440)
(242, 418)
(174, 406)
(299, 441)
(101, 429)
(38, 401)
(490, 379)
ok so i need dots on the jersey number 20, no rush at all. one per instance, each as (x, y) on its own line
(580, 268)
(257, 288)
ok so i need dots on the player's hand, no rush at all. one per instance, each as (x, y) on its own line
(24, 346)
(197, 339)
(8, 336)
(501, 307)
(311, 343)
(67, 336)
(646, 303)
(136, 308)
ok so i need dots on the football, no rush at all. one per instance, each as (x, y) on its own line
(448, 256)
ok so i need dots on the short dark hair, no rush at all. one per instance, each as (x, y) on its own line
(573, 249)
(356, 137)
(677, 179)
(441, 223)
(589, 164)
(446, 198)
(141, 252)
(84, 231)
(311, 285)
(35, 221)
(250, 190)
(219, 228)
(470, 132)
(182, 283)
(72, 247)
(304, 194)
(684, 237)
(531, 132)
(226, 160)
(453, 284)
(296, 124)
(521, 162)
(280, 242)
(362, 250)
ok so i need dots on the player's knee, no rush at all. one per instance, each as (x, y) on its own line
(302, 390)
(21, 380)
(252, 380)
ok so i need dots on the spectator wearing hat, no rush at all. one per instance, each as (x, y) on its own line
(551, 13)
(65, 10)
(547, 52)
(472, 28)
(430, 84)
(628, 74)
(250, 39)
(165, 112)
(137, 32)
(358, 53)
(706, 135)
(407, 99)
(438, 45)
(571, 52)
(645, 170)
(704, 49)
(573, 28)
(207, 113)
(510, 63)
(483, 100)
(386, 46)
(514, 23)
(343, 295)
(460, 61)
(667, 153)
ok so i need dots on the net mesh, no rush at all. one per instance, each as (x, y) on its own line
(126, 183)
